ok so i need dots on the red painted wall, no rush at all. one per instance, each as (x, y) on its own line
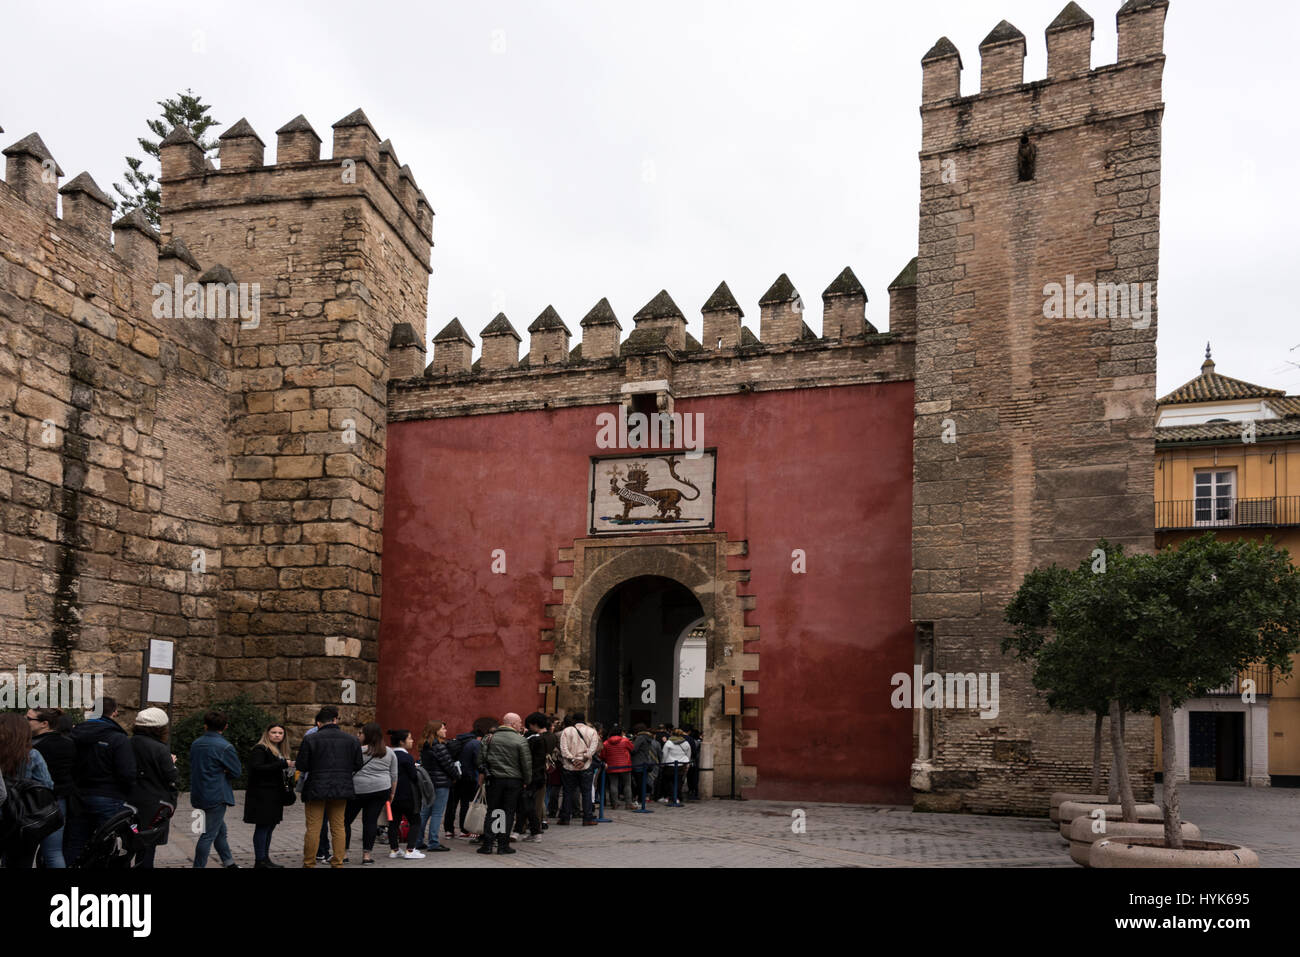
(825, 470)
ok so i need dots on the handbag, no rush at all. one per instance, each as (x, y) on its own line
(287, 794)
(476, 816)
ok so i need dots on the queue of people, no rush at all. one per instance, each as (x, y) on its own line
(499, 783)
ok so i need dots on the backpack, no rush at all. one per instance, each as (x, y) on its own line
(426, 785)
(454, 747)
(30, 813)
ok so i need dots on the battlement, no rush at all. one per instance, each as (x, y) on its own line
(1067, 96)
(659, 328)
(658, 355)
(360, 166)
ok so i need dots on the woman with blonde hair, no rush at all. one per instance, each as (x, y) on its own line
(268, 785)
(436, 759)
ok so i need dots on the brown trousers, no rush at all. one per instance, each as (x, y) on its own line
(316, 810)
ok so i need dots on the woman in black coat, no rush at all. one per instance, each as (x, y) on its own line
(155, 776)
(267, 785)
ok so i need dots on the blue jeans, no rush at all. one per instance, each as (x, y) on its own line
(214, 832)
(95, 810)
(261, 841)
(433, 812)
(52, 845)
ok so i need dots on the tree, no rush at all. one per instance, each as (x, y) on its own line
(141, 190)
(1149, 632)
(1212, 609)
(1087, 609)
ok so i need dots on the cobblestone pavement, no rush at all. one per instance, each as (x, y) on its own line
(760, 834)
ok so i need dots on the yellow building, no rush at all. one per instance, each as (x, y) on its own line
(1228, 460)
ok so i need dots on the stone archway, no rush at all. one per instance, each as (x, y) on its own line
(698, 562)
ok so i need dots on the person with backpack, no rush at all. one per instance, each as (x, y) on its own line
(329, 758)
(617, 753)
(105, 776)
(437, 761)
(31, 811)
(578, 746)
(156, 778)
(507, 764)
(268, 785)
(465, 749)
(214, 763)
(375, 785)
(406, 798)
(60, 756)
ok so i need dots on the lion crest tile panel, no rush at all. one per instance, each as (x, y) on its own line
(652, 493)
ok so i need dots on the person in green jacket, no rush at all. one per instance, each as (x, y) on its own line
(508, 766)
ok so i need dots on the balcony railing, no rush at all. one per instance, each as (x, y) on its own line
(1229, 513)
(1261, 675)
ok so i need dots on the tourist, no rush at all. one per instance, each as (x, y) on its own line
(677, 761)
(329, 758)
(506, 761)
(645, 762)
(60, 756)
(465, 749)
(437, 761)
(268, 783)
(19, 761)
(578, 745)
(156, 779)
(375, 785)
(617, 755)
(105, 776)
(696, 737)
(213, 765)
(406, 798)
(554, 778)
(532, 802)
(323, 848)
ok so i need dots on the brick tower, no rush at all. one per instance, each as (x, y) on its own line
(1033, 435)
(339, 251)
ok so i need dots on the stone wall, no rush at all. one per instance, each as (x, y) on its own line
(1033, 434)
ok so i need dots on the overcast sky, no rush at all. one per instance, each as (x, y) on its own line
(573, 150)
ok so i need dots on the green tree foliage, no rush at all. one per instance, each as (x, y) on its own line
(247, 722)
(141, 190)
(1149, 632)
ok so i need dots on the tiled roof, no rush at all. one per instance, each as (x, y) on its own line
(1229, 431)
(1210, 386)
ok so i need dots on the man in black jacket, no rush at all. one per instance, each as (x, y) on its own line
(329, 758)
(532, 801)
(60, 755)
(105, 775)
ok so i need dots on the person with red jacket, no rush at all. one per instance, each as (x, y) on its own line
(617, 755)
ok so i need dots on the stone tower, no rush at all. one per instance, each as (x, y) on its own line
(1034, 423)
(335, 253)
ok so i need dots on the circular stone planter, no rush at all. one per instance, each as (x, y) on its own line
(1151, 852)
(1060, 797)
(1114, 812)
(1082, 836)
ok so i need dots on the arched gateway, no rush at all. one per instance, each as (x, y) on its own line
(628, 608)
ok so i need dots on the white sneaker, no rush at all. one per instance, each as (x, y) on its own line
(393, 854)
(414, 856)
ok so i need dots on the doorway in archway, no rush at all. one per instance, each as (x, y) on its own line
(649, 646)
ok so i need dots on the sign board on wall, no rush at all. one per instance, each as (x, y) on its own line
(659, 492)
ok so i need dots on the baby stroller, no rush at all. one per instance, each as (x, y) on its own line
(117, 842)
